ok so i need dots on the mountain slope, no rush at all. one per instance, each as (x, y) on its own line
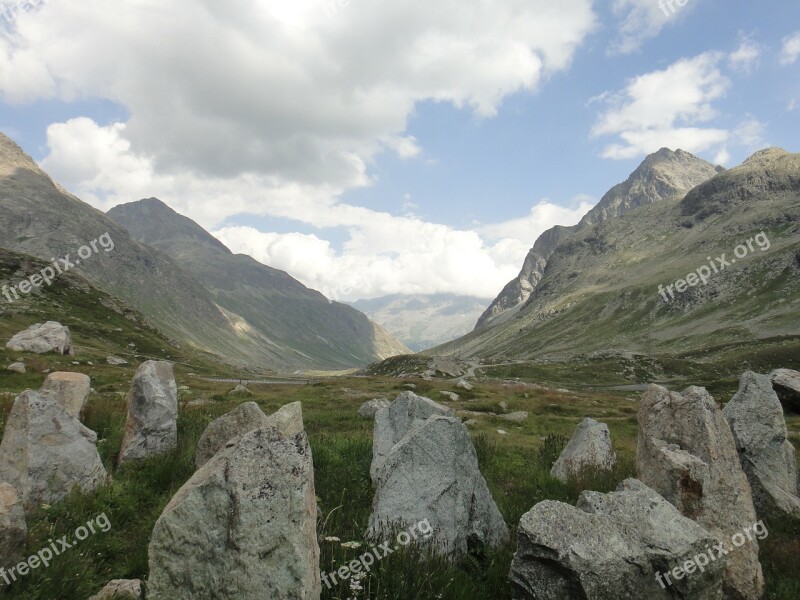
(599, 291)
(299, 322)
(423, 321)
(664, 174)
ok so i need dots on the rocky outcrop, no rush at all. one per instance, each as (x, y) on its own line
(786, 384)
(370, 408)
(46, 453)
(391, 424)
(767, 456)
(687, 453)
(432, 474)
(589, 448)
(151, 427)
(288, 420)
(13, 529)
(244, 526)
(120, 589)
(611, 546)
(42, 338)
(17, 367)
(70, 390)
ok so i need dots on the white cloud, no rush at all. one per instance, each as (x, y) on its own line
(746, 56)
(541, 217)
(665, 108)
(791, 49)
(641, 20)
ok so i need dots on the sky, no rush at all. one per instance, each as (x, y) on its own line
(375, 147)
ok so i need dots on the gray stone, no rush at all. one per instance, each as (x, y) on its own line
(120, 589)
(393, 422)
(116, 361)
(767, 456)
(46, 453)
(370, 408)
(589, 448)
(786, 384)
(13, 530)
(686, 453)
(446, 366)
(452, 396)
(463, 384)
(244, 526)
(70, 390)
(42, 338)
(515, 417)
(288, 420)
(151, 428)
(17, 367)
(609, 547)
(432, 474)
(240, 390)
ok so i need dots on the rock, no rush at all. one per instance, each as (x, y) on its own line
(452, 396)
(471, 422)
(446, 367)
(243, 526)
(463, 384)
(46, 452)
(120, 589)
(246, 417)
(767, 457)
(503, 406)
(370, 408)
(686, 453)
(589, 448)
(17, 367)
(410, 386)
(70, 390)
(502, 432)
(41, 338)
(13, 530)
(515, 417)
(611, 546)
(432, 474)
(117, 361)
(240, 390)
(151, 427)
(787, 385)
(393, 422)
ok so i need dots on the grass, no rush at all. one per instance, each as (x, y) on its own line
(516, 467)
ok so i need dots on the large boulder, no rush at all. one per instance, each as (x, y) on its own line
(786, 384)
(589, 448)
(120, 589)
(70, 390)
(432, 474)
(288, 420)
(611, 546)
(768, 458)
(686, 453)
(42, 338)
(46, 453)
(151, 427)
(244, 526)
(370, 408)
(394, 422)
(13, 530)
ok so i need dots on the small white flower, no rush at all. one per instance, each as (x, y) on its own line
(332, 539)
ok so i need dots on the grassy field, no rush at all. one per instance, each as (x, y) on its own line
(516, 467)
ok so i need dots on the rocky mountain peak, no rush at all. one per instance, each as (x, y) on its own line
(12, 157)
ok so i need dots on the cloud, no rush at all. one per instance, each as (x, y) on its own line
(791, 49)
(641, 20)
(541, 217)
(746, 56)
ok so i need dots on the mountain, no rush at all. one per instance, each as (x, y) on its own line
(299, 323)
(41, 219)
(665, 174)
(423, 321)
(606, 287)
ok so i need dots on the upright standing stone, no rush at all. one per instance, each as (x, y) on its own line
(767, 456)
(687, 454)
(243, 527)
(46, 453)
(152, 426)
(70, 390)
(589, 448)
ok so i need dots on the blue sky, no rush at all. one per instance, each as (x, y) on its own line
(371, 147)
